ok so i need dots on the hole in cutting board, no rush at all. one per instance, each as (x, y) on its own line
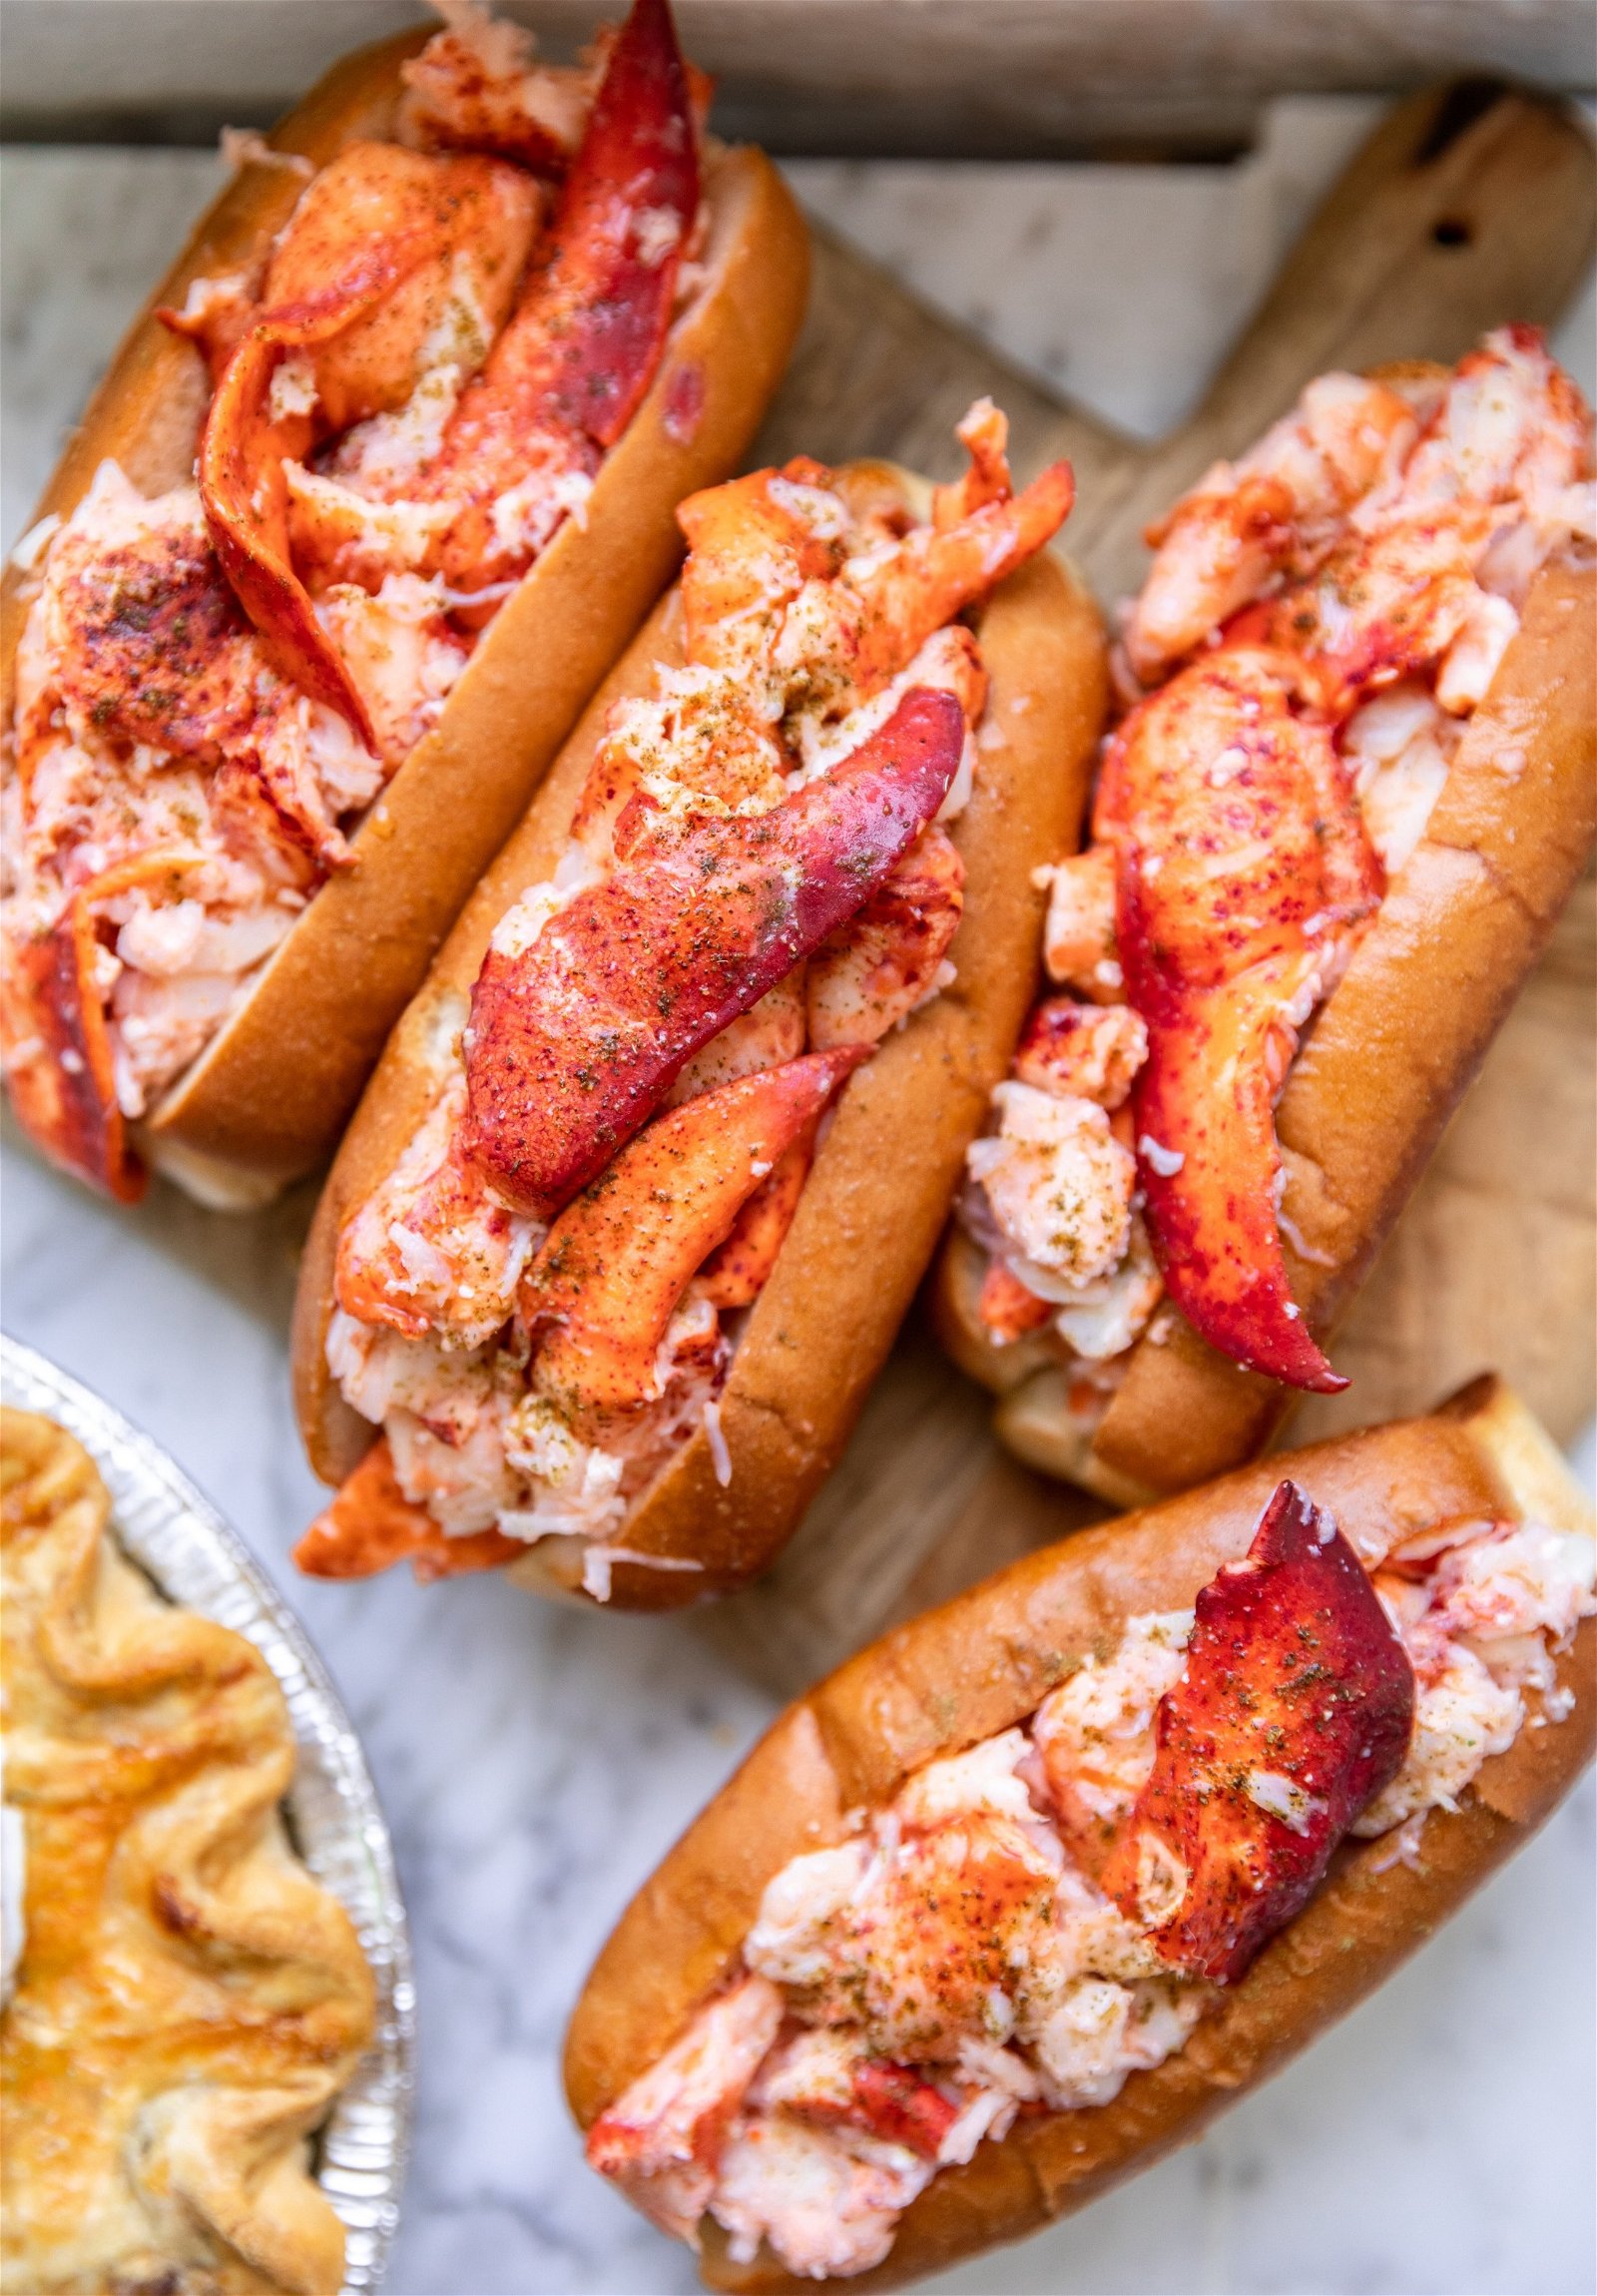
(1452, 232)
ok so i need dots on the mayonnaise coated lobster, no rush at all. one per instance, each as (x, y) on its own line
(410, 393)
(1319, 622)
(1038, 1918)
(537, 1303)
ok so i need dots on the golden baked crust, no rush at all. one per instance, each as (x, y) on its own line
(190, 1999)
(981, 1663)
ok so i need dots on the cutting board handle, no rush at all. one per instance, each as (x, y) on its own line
(1469, 205)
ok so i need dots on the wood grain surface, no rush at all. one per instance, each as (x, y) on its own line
(1465, 209)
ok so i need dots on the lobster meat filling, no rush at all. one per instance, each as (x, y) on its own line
(1032, 1922)
(540, 1303)
(410, 395)
(1320, 622)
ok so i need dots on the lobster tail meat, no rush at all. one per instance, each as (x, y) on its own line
(617, 1260)
(1294, 1709)
(577, 1037)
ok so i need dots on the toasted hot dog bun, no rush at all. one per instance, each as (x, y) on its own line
(879, 1190)
(265, 1101)
(985, 1662)
(1382, 1067)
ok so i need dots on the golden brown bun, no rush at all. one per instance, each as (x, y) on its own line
(984, 1663)
(266, 1100)
(878, 1191)
(1383, 1067)
(1032, 1415)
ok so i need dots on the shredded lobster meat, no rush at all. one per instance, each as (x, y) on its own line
(410, 395)
(540, 1302)
(1030, 1922)
(1320, 621)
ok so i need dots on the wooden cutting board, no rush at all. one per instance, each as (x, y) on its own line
(1466, 208)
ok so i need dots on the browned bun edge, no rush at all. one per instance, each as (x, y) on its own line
(1381, 1069)
(878, 1191)
(265, 1103)
(984, 1663)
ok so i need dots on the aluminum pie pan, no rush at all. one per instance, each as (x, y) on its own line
(179, 1539)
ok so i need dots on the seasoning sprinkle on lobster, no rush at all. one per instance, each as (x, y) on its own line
(1373, 606)
(448, 397)
(576, 1230)
(1019, 1896)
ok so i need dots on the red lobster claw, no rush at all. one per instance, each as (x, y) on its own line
(575, 1040)
(245, 495)
(1206, 1160)
(617, 1261)
(1242, 866)
(1294, 1711)
(567, 374)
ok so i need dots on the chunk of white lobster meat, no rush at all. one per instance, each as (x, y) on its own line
(919, 1940)
(1059, 1183)
(434, 1250)
(1275, 510)
(403, 654)
(1078, 940)
(1399, 746)
(661, 2139)
(1094, 1733)
(1082, 1051)
(478, 84)
(890, 957)
(824, 2207)
(1462, 1718)
(1522, 1580)
(1510, 427)
(768, 1033)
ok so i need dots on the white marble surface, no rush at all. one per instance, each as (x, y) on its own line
(535, 1763)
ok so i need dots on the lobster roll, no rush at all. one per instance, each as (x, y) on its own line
(1027, 1893)
(653, 1165)
(376, 493)
(1352, 788)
